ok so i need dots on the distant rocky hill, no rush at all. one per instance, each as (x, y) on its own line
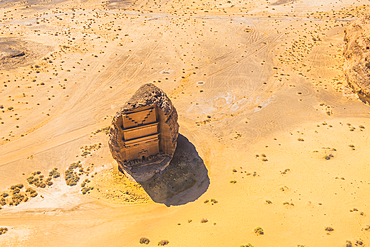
(357, 55)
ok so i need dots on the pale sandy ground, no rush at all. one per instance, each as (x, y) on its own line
(247, 78)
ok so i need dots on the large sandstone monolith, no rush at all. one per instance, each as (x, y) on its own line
(143, 135)
(357, 55)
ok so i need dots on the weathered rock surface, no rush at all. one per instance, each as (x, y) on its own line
(143, 134)
(357, 55)
(15, 52)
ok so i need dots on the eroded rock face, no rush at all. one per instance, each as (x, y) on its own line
(357, 55)
(143, 135)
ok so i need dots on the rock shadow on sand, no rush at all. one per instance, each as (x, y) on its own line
(184, 180)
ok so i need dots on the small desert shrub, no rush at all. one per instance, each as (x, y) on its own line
(285, 171)
(204, 221)
(247, 245)
(16, 191)
(359, 242)
(3, 230)
(54, 173)
(163, 242)
(233, 181)
(328, 157)
(85, 190)
(258, 231)
(329, 229)
(268, 202)
(30, 190)
(33, 194)
(2, 201)
(19, 186)
(144, 240)
(85, 182)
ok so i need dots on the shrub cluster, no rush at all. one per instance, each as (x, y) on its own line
(71, 176)
(85, 189)
(16, 195)
(88, 149)
(38, 179)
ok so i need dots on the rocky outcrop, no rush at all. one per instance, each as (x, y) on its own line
(357, 57)
(143, 134)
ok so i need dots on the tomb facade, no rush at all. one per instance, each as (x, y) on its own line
(143, 135)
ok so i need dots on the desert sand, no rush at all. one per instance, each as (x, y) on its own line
(273, 135)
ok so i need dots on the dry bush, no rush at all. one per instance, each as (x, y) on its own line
(259, 231)
(144, 240)
(163, 242)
